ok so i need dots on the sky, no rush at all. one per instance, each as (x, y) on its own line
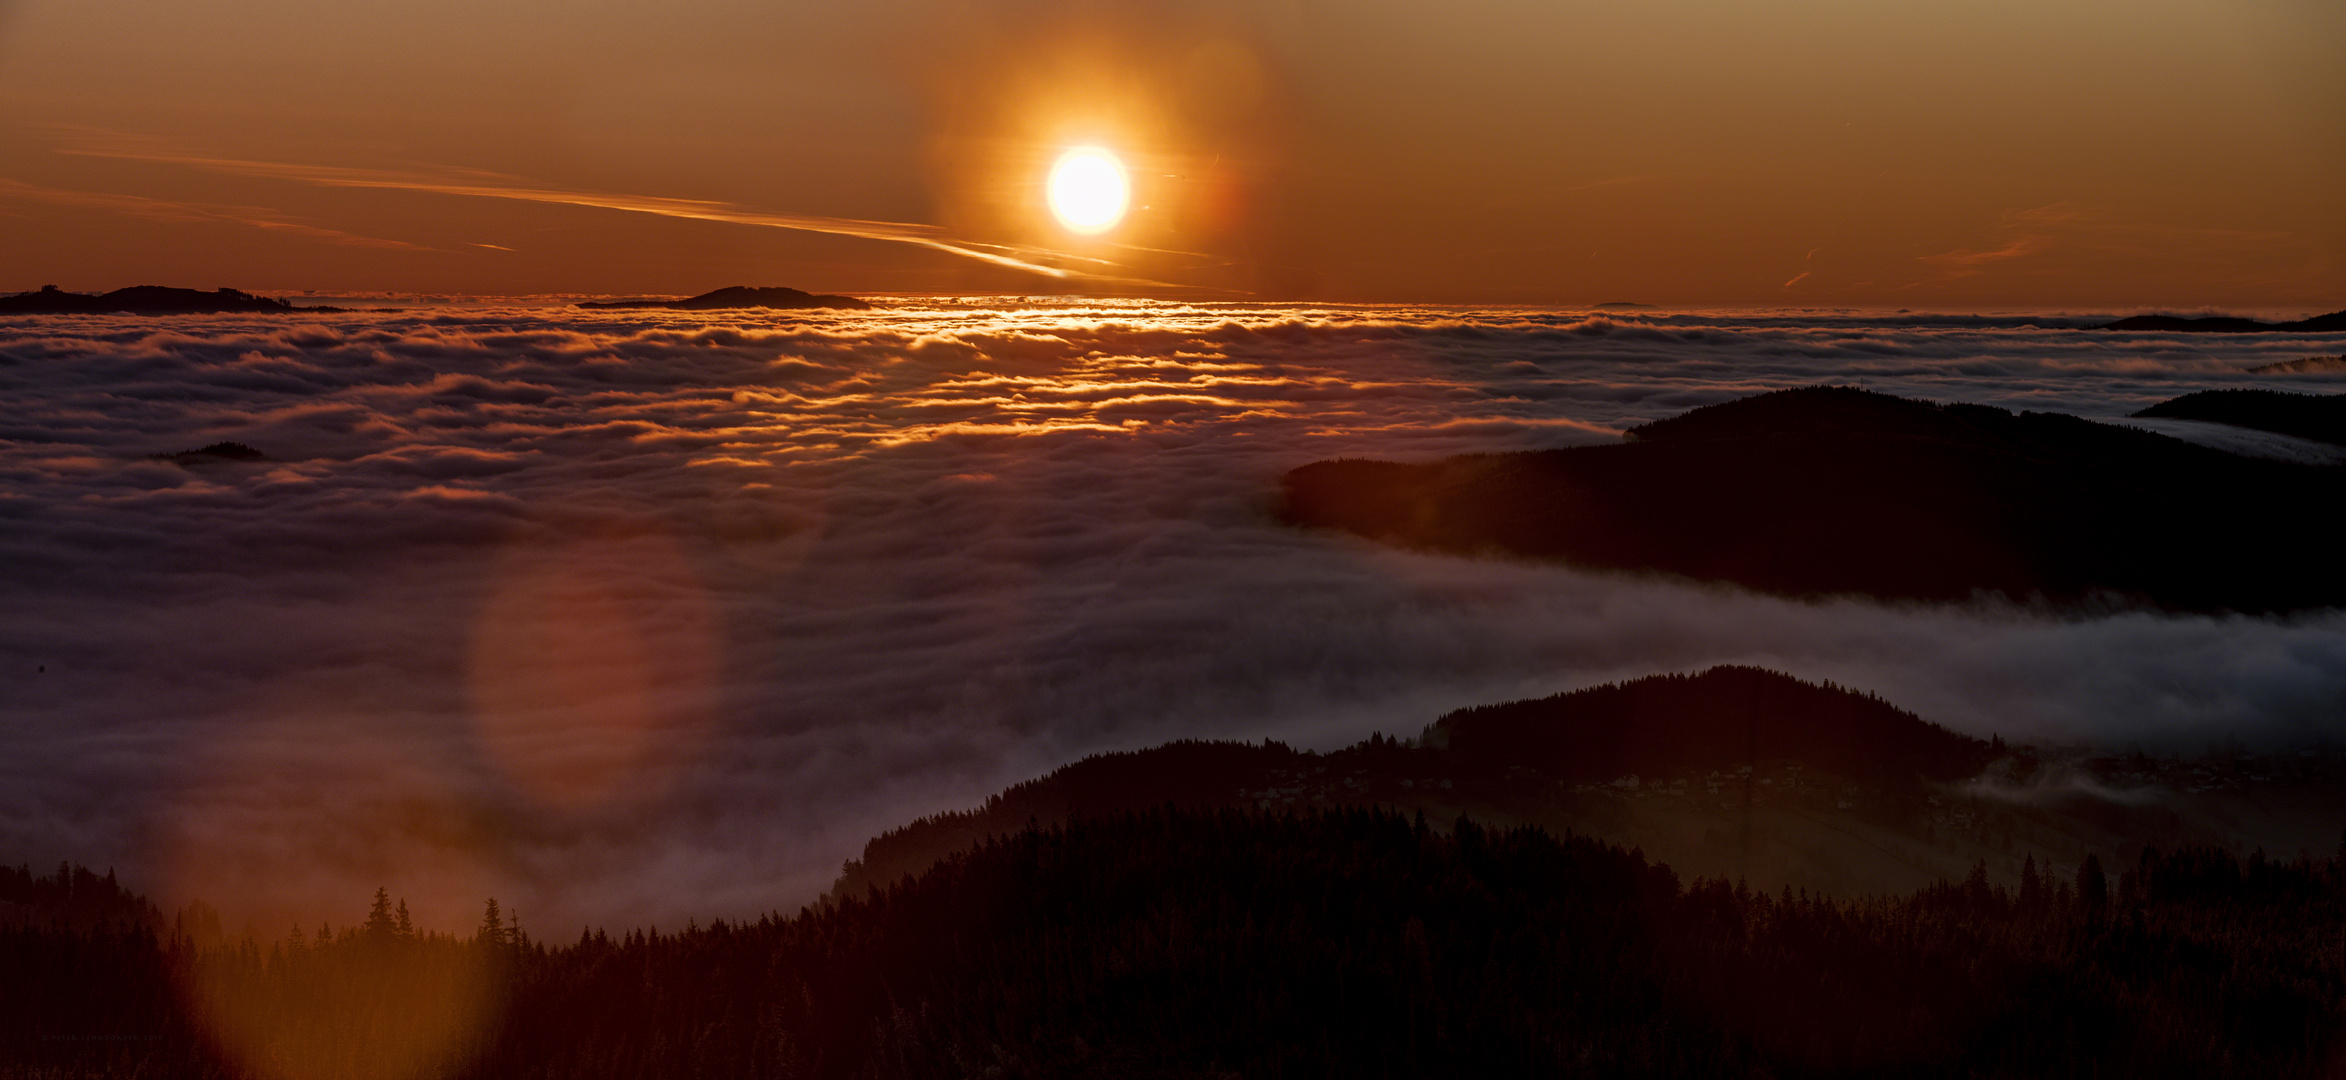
(645, 616)
(630, 617)
(1995, 155)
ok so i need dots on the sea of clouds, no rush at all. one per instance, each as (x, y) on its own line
(638, 616)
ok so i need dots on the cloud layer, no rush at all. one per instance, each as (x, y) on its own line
(646, 615)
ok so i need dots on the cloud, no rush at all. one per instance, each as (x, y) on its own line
(860, 567)
(478, 183)
(2053, 239)
(1961, 258)
(165, 210)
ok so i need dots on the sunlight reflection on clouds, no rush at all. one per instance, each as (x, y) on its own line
(910, 556)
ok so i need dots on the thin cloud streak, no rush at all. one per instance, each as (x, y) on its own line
(141, 206)
(488, 185)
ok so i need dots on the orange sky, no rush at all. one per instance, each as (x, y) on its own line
(2057, 153)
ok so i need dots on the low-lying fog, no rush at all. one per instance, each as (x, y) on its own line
(636, 617)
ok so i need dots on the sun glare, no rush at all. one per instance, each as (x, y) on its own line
(1088, 190)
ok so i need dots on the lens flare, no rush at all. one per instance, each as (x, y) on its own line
(1089, 190)
(593, 663)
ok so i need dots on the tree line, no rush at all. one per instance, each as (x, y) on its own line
(1210, 943)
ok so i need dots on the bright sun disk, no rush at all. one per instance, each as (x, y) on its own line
(1088, 190)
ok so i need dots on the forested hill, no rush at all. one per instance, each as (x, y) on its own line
(73, 899)
(2320, 417)
(1179, 945)
(1835, 490)
(1518, 761)
(739, 296)
(2332, 323)
(146, 300)
(1720, 719)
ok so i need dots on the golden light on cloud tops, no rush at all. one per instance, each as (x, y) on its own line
(1089, 191)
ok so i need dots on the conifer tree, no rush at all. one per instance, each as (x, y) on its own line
(492, 933)
(379, 927)
(2093, 888)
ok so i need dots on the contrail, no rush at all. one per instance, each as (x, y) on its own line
(490, 185)
(168, 210)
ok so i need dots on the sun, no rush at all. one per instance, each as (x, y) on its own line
(1088, 190)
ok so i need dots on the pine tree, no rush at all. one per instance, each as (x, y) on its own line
(492, 934)
(379, 928)
(2093, 889)
(403, 925)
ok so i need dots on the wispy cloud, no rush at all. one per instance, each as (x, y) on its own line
(1967, 257)
(140, 206)
(2049, 239)
(478, 183)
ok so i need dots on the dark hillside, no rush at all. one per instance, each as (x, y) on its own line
(1196, 945)
(1552, 761)
(2320, 417)
(2332, 323)
(72, 899)
(1720, 719)
(738, 296)
(145, 300)
(1833, 490)
(1185, 773)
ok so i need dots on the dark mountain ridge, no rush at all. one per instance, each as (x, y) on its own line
(146, 300)
(2332, 323)
(2303, 365)
(1815, 780)
(1736, 771)
(1723, 718)
(2320, 417)
(1835, 490)
(739, 296)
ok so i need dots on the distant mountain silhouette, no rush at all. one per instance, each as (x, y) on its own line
(144, 300)
(739, 296)
(1623, 305)
(2304, 365)
(1721, 719)
(1736, 772)
(1834, 490)
(1503, 762)
(219, 451)
(2332, 323)
(2319, 417)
